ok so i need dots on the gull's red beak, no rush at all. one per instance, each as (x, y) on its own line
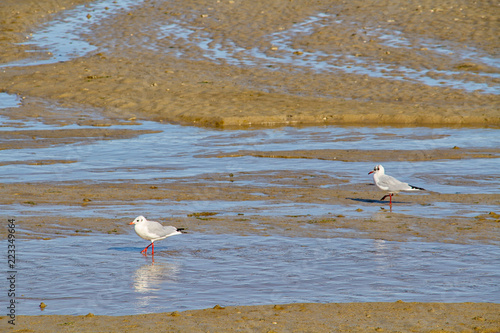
(371, 172)
(131, 222)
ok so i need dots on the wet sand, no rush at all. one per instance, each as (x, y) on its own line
(298, 188)
(346, 317)
(128, 84)
(133, 80)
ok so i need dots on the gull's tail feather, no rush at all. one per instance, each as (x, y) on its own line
(414, 188)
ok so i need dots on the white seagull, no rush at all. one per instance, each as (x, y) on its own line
(153, 231)
(389, 183)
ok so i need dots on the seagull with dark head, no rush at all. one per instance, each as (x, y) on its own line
(390, 184)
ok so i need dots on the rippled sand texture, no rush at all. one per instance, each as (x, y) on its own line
(228, 63)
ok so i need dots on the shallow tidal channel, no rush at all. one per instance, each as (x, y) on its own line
(106, 274)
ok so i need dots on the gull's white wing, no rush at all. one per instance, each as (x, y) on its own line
(169, 231)
(391, 184)
(156, 230)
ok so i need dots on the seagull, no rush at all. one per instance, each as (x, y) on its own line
(153, 231)
(390, 184)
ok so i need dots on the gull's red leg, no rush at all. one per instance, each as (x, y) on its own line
(153, 248)
(145, 251)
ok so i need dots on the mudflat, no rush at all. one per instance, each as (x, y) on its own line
(127, 82)
(137, 71)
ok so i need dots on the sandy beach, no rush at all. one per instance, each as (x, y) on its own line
(347, 317)
(130, 80)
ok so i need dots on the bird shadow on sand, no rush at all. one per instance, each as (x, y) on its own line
(378, 201)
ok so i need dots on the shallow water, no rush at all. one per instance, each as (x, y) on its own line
(62, 39)
(179, 151)
(194, 271)
(8, 101)
(166, 208)
(198, 271)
